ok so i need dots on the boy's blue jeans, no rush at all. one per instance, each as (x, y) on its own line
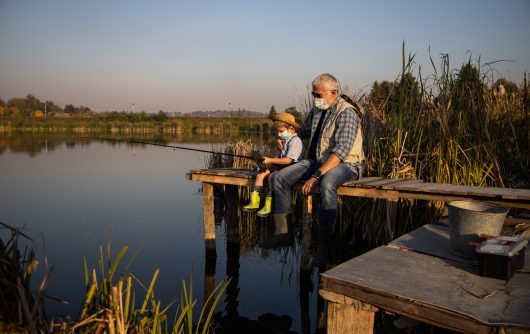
(328, 183)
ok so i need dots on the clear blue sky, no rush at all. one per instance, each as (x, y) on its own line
(203, 55)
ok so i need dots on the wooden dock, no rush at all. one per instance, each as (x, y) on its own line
(372, 187)
(415, 275)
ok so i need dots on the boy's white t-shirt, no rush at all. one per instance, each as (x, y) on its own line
(292, 149)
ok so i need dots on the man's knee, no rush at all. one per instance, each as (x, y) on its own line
(328, 188)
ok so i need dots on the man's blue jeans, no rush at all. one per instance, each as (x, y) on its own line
(285, 178)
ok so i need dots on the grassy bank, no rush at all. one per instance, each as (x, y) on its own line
(174, 125)
(457, 126)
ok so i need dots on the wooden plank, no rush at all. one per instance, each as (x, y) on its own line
(244, 173)
(432, 289)
(451, 189)
(523, 204)
(371, 193)
(238, 181)
(381, 183)
(361, 181)
(393, 186)
(437, 317)
(443, 189)
(209, 219)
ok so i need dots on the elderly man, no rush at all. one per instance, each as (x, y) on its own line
(335, 155)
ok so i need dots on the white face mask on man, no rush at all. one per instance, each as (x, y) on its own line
(321, 104)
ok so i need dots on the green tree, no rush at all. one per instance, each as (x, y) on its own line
(161, 116)
(14, 111)
(407, 95)
(467, 100)
(381, 95)
(297, 115)
(272, 112)
(70, 109)
(20, 105)
(33, 103)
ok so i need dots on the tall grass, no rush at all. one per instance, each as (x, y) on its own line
(449, 127)
(456, 131)
(112, 305)
(112, 302)
(21, 309)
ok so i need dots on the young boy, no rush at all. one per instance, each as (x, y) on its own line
(291, 152)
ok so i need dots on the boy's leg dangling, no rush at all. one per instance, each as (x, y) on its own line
(266, 209)
(254, 202)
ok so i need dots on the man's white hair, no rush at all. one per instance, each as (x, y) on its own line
(328, 80)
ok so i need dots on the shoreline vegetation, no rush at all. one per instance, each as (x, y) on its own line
(103, 125)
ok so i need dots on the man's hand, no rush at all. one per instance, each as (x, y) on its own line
(308, 186)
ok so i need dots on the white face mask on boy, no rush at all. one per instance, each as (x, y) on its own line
(284, 135)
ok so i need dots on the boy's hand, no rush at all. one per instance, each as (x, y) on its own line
(281, 144)
(256, 156)
(266, 160)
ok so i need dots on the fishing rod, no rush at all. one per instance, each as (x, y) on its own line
(257, 158)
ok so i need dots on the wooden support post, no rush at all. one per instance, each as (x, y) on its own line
(348, 315)
(209, 219)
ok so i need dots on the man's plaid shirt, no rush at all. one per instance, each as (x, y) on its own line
(346, 128)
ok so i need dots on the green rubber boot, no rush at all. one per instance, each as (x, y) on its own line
(266, 209)
(254, 202)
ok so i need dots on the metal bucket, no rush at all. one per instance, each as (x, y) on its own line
(468, 220)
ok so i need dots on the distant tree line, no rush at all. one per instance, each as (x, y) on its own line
(31, 106)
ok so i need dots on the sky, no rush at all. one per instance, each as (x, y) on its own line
(182, 56)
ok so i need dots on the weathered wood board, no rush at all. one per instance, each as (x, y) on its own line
(391, 189)
(432, 289)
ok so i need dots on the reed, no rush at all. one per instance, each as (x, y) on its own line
(112, 305)
(111, 302)
(453, 126)
(21, 309)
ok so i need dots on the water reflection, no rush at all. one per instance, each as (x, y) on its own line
(35, 143)
(244, 232)
(72, 192)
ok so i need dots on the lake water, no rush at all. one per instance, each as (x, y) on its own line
(72, 196)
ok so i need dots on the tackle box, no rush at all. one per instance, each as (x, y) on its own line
(500, 257)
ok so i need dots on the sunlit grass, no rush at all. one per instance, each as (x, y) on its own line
(115, 300)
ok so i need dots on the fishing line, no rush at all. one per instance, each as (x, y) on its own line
(256, 159)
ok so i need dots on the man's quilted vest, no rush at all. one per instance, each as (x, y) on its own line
(327, 142)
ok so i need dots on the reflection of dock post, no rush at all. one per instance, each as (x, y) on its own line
(306, 286)
(209, 242)
(209, 220)
(233, 248)
(306, 234)
(209, 282)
